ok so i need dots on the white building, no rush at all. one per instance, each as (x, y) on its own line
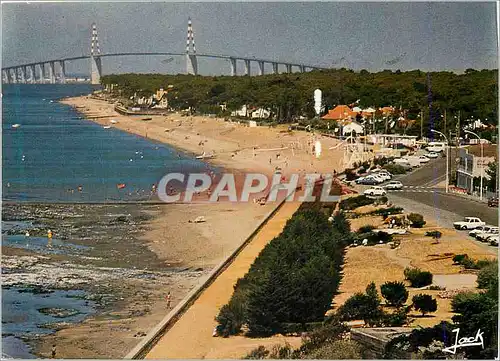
(261, 113)
(243, 112)
(352, 127)
(471, 164)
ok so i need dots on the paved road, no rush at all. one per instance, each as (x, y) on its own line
(424, 180)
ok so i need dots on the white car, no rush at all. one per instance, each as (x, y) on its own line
(469, 223)
(394, 185)
(483, 236)
(474, 232)
(423, 159)
(432, 155)
(375, 191)
(382, 175)
(493, 240)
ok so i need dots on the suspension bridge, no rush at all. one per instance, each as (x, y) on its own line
(54, 70)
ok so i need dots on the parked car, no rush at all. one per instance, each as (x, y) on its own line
(423, 159)
(436, 147)
(493, 240)
(432, 155)
(383, 175)
(469, 223)
(493, 202)
(484, 228)
(483, 236)
(394, 185)
(414, 161)
(375, 191)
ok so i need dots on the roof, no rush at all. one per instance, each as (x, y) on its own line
(489, 150)
(340, 112)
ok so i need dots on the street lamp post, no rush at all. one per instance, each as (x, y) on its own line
(447, 156)
(482, 165)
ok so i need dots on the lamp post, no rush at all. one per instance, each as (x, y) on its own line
(482, 165)
(447, 156)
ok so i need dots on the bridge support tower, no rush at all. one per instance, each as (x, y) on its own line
(191, 60)
(233, 66)
(288, 68)
(95, 58)
(62, 74)
(247, 67)
(275, 68)
(261, 68)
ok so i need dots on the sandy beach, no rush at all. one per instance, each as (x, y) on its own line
(232, 143)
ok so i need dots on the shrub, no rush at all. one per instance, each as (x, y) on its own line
(395, 293)
(458, 258)
(398, 318)
(231, 316)
(424, 303)
(258, 353)
(385, 212)
(382, 200)
(337, 350)
(366, 228)
(364, 307)
(433, 234)
(333, 329)
(373, 238)
(417, 277)
(395, 168)
(417, 220)
(488, 276)
(350, 175)
(355, 202)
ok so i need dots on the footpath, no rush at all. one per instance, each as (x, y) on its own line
(191, 336)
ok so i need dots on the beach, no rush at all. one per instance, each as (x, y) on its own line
(172, 250)
(232, 143)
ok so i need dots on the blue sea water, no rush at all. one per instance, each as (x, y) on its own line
(55, 150)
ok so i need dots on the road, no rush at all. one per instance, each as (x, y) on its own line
(425, 191)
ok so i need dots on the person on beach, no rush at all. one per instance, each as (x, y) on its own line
(53, 353)
(169, 300)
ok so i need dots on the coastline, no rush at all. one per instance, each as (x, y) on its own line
(178, 243)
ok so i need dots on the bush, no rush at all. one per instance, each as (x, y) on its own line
(398, 318)
(355, 202)
(366, 228)
(424, 303)
(350, 175)
(333, 329)
(258, 353)
(385, 212)
(395, 168)
(231, 316)
(433, 234)
(417, 277)
(395, 293)
(373, 238)
(458, 258)
(488, 276)
(417, 220)
(363, 306)
(337, 350)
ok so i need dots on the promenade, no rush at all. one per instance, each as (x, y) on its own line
(191, 336)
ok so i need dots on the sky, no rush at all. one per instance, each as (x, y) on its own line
(372, 36)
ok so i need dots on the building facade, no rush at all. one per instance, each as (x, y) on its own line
(472, 165)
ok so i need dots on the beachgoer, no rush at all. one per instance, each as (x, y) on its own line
(53, 353)
(27, 234)
(80, 188)
(49, 234)
(169, 300)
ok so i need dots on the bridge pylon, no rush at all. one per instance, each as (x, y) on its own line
(95, 58)
(191, 60)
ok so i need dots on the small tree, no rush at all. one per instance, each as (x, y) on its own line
(417, 220)
(417, 277)
(395, 293)
(424, 303)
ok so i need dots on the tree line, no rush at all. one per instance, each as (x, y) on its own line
(472, 95)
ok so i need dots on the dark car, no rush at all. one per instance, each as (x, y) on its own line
(493, 202)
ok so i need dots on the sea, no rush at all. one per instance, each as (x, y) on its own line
(52, 154)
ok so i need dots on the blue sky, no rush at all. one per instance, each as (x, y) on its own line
(427, 36)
